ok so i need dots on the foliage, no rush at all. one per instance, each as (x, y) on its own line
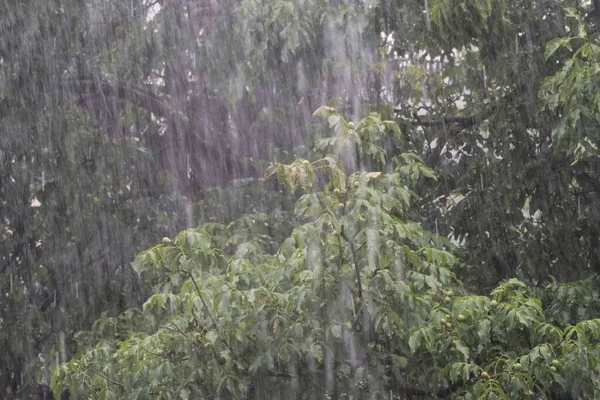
(357, 302)
(99, 155)
(570, 91)
(122, 122)
(504, 113)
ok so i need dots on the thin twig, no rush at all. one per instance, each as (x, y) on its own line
(179, 329)
(355, 261)
(203, 302)
(149, 352)
(101, 375)
(173, 330)
(356, 269)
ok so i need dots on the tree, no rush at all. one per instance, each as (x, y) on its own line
(486, 107)
(113, 122)
(116, 117)
(357, 302)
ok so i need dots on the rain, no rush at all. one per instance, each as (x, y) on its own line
(299, 199)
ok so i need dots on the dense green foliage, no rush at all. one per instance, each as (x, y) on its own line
(123, 122)
(357, 302)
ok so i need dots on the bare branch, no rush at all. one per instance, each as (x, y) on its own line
(142, 97)
(465, 121)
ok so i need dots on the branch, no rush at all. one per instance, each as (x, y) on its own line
(281, 374)
(139, 95)
(465, 121)
(452, 125)
(179, 329)
(203, 302)
(101, 375)
(355, 261)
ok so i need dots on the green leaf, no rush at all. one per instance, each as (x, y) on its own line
(184, 394)
(211, 336)
(459, 371)
(316, 351)
(558, 378)
(581, 32)
(323, 111)
(483, 330)
(462, 348)
(414, 341)
(393, 126)
(571, 12)
(336, 331)
(400, 362)
(333, 120)
(516, 282)
(553, 45)
(432, 282)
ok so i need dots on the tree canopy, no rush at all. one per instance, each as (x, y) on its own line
(358, 302)
(431, 231)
